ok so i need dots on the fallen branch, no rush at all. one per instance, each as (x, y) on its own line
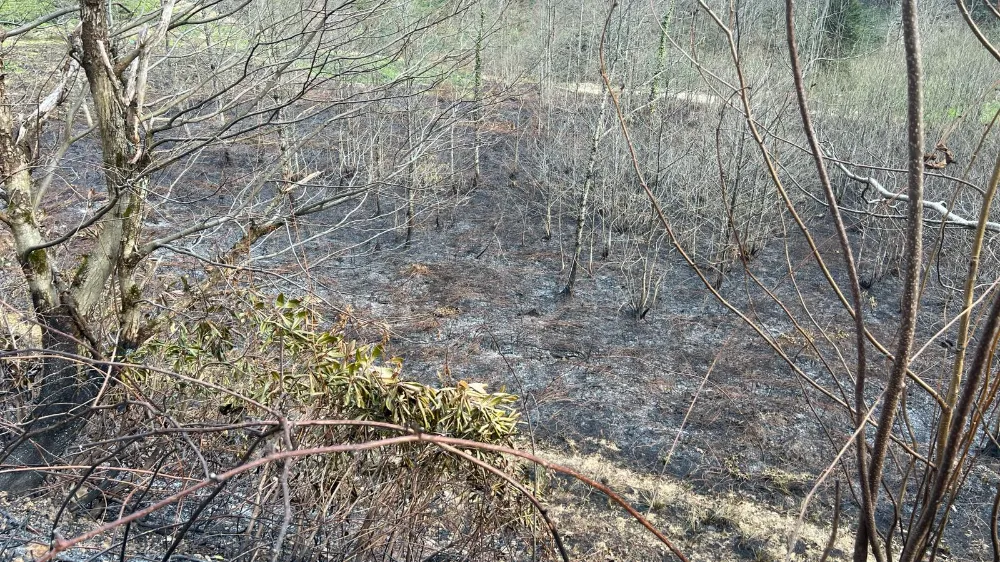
(937, 206)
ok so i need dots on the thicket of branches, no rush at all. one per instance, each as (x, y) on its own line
(172, 170)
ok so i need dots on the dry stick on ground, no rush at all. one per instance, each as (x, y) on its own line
(812, 319)
(687, 414)
(524, 395)
(138, 500)
(694, 399)
(830, 341)
(71, 495)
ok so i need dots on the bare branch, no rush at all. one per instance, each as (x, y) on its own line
(31, 125)
(40, 21)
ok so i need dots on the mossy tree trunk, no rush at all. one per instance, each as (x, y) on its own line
(117, 88)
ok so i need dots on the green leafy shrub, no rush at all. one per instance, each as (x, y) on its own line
(279, 354)
(241, 354)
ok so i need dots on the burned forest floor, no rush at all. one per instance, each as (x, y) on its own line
(685, 411)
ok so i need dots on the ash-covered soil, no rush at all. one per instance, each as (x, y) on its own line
(477, 296)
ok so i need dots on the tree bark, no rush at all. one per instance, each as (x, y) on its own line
(70, 386)
(66, 389)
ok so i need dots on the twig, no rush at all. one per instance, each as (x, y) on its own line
(286, 495)
(40, 21)
(867, 496)
(836, 522)
(207, 501)
(542, 510)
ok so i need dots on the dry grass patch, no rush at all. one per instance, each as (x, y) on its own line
(724, 527)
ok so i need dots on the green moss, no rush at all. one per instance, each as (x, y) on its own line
(132, 295)
(81, 270)
(38, 261)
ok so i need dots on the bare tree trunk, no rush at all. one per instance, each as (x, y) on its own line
(910, 301)
(661, 59)
(411, 178)
(477, 89)
(581, 216)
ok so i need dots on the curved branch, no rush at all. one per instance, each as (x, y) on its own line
(964, 10)
(520, 488)
(409, 437)
(868, 500)
(154, 245)
(82, 226)
(936, 206)
(40, 21)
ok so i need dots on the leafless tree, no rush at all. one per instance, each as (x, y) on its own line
(165, 94)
